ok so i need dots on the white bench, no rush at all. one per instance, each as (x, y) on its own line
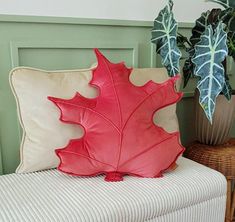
(191, 193)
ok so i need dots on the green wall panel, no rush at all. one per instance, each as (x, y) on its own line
(55, 58)
(66, 43)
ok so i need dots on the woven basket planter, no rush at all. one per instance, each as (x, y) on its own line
(218, 132)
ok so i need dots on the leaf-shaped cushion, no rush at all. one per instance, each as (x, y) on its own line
(120, 137)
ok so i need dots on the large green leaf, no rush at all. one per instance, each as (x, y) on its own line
(164, 35)
(212, 17)
(224, 3)
(199, 28)
(197, 31)
(210, 52)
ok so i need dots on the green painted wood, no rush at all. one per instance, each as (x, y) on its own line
(80, 21)
(66, 43)
(28, 52)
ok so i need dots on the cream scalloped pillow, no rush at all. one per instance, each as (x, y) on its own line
(39, 118)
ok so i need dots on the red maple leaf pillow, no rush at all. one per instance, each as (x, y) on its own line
(120, 137)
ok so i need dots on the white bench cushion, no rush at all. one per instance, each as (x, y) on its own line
(190, 193)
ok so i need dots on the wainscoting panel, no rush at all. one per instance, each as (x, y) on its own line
(69, 55)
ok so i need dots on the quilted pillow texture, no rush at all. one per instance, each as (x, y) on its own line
(42, 132)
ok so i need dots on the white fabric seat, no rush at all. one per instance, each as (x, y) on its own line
(191, 193)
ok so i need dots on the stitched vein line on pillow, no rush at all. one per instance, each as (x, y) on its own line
(149, 148)
(106, 117)
(115, 92)
(120, 131)
(93, 111)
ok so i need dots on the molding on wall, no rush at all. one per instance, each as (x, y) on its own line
(16, 46)
(85, 21)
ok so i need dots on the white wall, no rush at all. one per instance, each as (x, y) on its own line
(185, 10)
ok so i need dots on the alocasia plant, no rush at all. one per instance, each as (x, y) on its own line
(199, 28)
(164, 36)
(207, 18)
(119, 134)
(214, 19)
(210, 52)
